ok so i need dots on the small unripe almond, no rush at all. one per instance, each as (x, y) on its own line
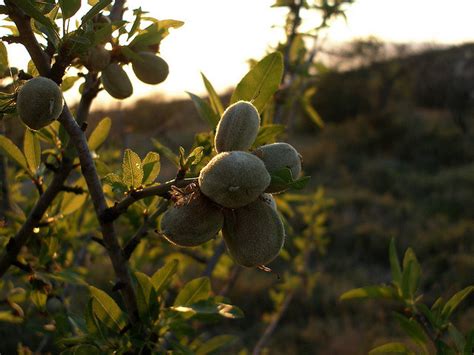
(151, 68)
(97, 59)
(254, 234)
(277, 156)
(234, 179)
(238, 127)
(192, 223)
(39, 102)
(116, 82)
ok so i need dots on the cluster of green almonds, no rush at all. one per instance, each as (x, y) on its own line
(148, 67)
(235, 193)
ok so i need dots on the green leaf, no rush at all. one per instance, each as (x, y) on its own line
(68, 82)
(69, 7)
(72, 202)
(204, 110)
(98, 7)
(194, 291)
(194, 157)
(136, 23)
(32, 150)
(457, 338)
(210, 307)
(162, 277)
(3, 57)
(116, 182)
(106, 310)
(469, 347)
(100, 133)
(308, 107)
(7, 316)
(392, 348)
(454, 302)
(132, 169)
(30, 9)
(215, 100)
(268, 134)
(8, 148)
(412, 329)
(261, 82)
(369, 292)
(146, 296)
(214, 344)
(165, 151)
(151, 167)
(283, 179)
(395, 264)
(411, 274)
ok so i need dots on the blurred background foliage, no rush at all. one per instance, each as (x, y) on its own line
(395, 159)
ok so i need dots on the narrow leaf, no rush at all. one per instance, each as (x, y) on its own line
(100, 133)
(261, 82)
(151, 167)
(146, 295)
(106, 310)
(204, 110)
(32, 150)
(369, 292)
(268, 134)
(132, 169)
(162, 277)
(454, 302)
(3, 57)
(412, 329)
(392, 348)
(30, 9)
(215, 100)
(194, 291)
(12, 152)
(394, 263)
(98, 7)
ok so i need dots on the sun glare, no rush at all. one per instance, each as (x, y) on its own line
(218, 37)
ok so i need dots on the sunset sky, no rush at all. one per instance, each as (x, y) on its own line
(220, 36)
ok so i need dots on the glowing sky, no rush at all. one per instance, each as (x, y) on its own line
(219, 36)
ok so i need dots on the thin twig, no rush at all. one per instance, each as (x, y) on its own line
(220, 249)
(273, 324)
(132, 244)
(234, 275)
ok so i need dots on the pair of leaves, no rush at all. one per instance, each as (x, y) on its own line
(257, 86)
(103, 312)
(30, 158)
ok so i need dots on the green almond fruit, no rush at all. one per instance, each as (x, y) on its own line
(97, 59)
(193, 223)
(277, 156)
(150, 68)
(39, 102)
(254, 234)
(116, 81)
(238, 127)
(234, 179)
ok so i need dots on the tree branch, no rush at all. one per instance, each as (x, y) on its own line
(28, 39)
(112, 213)
(94, 185)
(15, 244)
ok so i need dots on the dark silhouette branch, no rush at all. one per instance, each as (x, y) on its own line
(112, 213)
